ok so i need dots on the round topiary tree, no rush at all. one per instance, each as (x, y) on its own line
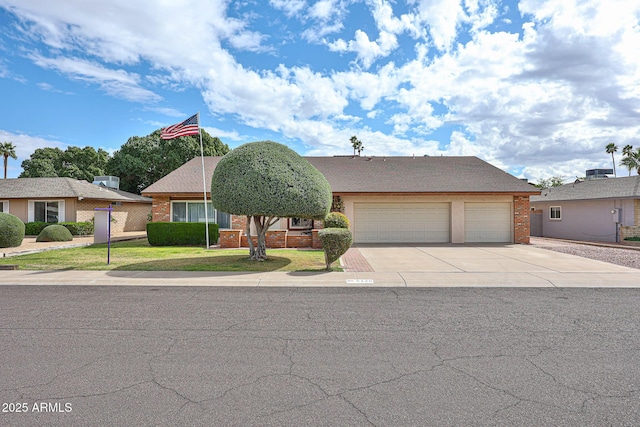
(54, 233)
(335, 242)
(11, 230)
(336, 220)
(266, 181)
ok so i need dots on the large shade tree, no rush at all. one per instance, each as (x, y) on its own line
(74, 162)
(143, 160)
(266, 181)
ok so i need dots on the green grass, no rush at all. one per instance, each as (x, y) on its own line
(633, 239)
(139, 255)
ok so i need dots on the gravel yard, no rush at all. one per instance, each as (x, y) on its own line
(615, 255)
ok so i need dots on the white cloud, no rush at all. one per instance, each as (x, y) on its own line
(117, 83)
(290, 7)
(443, 18)
(367, 51)
(323, 10)
(546, 99)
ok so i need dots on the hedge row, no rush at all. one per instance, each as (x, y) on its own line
(180, 233)
(75, 228)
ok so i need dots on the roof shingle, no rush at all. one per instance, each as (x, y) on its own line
(347, 174)
(605, 188)
(32, 188)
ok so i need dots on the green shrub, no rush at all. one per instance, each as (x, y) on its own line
(633, 238)
(54, 233)
(335, 242)
(78, 228)
(180, 233)
(11, 230)
(269, 179)
(34, 228)
(336, 220)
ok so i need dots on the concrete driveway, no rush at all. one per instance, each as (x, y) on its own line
(479, 258)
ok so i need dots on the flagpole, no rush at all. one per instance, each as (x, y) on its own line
(204, 185)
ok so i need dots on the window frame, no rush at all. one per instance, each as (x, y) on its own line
(31, 205)
(558, 210)
(292, 226)
(4, 204)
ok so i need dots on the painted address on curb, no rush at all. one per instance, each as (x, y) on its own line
(353, 281)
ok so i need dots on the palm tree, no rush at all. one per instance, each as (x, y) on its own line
(629, 162)
(7, 149)
(356, 144)
(612, 148)
(630, 159)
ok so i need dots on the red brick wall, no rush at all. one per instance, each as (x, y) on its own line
(521, 223)
(301, 241)
(161, 209)
(230, 238)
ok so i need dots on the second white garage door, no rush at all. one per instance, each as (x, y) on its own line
(402, 222)
(487, 222)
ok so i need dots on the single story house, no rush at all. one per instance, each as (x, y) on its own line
(387, 199)
(603, 210)
(70, 200)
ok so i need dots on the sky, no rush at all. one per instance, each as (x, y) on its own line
(537, 88)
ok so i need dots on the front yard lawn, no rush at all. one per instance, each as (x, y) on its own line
(139, 255)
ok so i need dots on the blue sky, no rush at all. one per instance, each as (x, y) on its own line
(537, 88)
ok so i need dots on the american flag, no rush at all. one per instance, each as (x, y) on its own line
(188, 127)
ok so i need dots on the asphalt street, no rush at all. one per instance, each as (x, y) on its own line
(203, 356)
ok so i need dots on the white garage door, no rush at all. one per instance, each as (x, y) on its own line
(401, 222)
(487, 222)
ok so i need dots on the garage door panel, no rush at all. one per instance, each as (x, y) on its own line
(402, 222)
(488, 222)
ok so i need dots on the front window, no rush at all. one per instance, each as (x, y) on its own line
(300, 223)
(4, 206)
(46, 211)
(555, 213)
(194, 212)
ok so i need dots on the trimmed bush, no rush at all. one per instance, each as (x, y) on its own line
(335, 242)
(180, 233)
(269, 179)
(11, 230)
(54, 233)
(78, 228)
(34, 228)
(336, 220)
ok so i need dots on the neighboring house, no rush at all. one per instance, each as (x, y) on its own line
(604, 210)
(387, 200)
(70, 200)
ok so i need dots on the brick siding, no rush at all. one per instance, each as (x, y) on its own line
(161, 209)
(521, 224)
(127, 217)
(629, 231)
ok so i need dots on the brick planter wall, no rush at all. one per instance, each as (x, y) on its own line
(230, 238)
(521, 223)
(276, 239)
(315, 240)
(303, 241)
